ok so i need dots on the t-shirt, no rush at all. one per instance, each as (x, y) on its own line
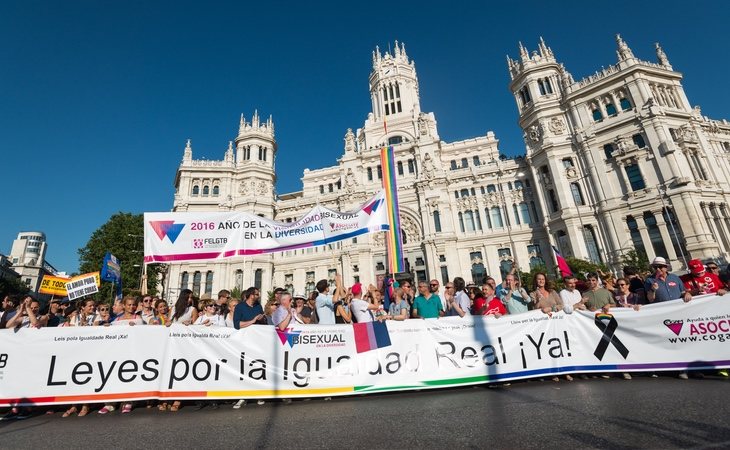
(215, 320)
(495, 306)
(669, 289)
(517, 303)
(325, 309)
(397, 309)
(427, 308)
(598, 299)
(570, 298)
(707, 283)
(359, 309)
(280, 314)
(464, 303)
(244, 313)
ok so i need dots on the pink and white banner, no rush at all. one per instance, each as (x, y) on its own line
(192, 236)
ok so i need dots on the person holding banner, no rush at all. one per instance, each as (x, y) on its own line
(325, 302)
(129, 316)
(399, 307)
(10, 309)
(184, 312)
(514, 297)
(249, 312)
(210, 316)
(544, 296)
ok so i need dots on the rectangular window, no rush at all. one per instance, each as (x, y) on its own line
(554, 206)
(635, 179)
(444, 274)
(411, 166)
(380, 172)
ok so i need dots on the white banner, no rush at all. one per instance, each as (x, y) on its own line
(97, 364)
(190, 236)
(82, 285)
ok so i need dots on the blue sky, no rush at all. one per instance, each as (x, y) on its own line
(98, 97)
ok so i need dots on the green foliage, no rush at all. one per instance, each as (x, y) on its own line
(236, 293)
(581, 266)
(633, 258)
(13, 286)
(122, 235)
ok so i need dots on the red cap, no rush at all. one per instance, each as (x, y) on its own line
(696, 266)
(356, 289)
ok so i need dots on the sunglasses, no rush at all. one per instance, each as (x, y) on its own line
(435, 285)
(712, 268)
(103, 309)
(623, 284)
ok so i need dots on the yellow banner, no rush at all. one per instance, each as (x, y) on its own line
(53, 285)
(57, 285)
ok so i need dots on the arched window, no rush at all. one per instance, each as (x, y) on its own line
(216, 191)
(393, 140)
(525, 213)
(404, 238)
(638, 140)
(491, 188)
(655, 236)
(597, 114)
(453, 164)
(380, 172)
(635, 235)
(196, 190)
(577, 194)
(464, 163)
(611, 109)
(209, 282)
(461, 222)
(541, 87)
(636, 181)
(465, 192)
(196, 284)
(469, 221)
(257, 277)
(206, 191)
(411, 166)
(330, 188)
(608, 150)
(496, 215)
(321, 188)
(625, 104)
(437, 221)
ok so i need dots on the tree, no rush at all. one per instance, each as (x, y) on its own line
(122, 235)
(12, 286)
(638, 260)
(581, 266)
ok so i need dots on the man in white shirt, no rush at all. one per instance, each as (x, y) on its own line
(572, 298)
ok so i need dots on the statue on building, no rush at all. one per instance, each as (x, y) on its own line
(428, 167)
(350, 182)
(422, 124)
(349, 141)
(661, 56)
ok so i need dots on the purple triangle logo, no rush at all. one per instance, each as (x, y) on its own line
(674, 325)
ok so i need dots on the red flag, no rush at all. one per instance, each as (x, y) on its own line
(562, 264)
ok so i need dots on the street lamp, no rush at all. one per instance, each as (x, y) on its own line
(662, 192)
(503, 205)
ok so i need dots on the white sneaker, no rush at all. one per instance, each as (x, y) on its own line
(260, 402)
(627, 376)
(683, 376)
(239, 403)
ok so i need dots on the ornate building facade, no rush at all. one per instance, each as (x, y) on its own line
(614, 162)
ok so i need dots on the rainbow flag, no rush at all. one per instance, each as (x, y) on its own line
(393, 237)
(371, 335)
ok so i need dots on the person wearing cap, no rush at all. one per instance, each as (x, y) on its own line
(700, 281)
(360, 308)
(663, 286)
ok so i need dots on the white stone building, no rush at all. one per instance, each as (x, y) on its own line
(620, 156)
(28, 258)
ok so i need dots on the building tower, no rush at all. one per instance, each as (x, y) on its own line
(255, 176)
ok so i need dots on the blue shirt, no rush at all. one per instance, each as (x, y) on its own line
(669, 289)
(517, 303)
(244, 313)
(325, 309)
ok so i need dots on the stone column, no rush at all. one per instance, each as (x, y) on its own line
(644, 232)
(666, 236)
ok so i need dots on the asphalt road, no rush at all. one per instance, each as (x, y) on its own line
(597, 413)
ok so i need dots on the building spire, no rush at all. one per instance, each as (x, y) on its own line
(188, 153)
(545, 51)
(661, 56)
(255, 119)
(623, 52)
(524, 56)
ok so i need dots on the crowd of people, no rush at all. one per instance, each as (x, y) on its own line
(389, 300)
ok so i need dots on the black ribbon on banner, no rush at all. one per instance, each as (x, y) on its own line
(608, 337)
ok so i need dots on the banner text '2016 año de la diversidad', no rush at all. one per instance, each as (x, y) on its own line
(98, 364)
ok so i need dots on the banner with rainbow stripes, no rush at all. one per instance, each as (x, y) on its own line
(99, 364)
(390, 186)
